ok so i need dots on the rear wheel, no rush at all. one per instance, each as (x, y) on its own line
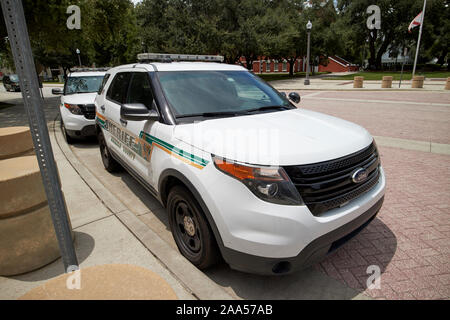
(190, 229)
(110, 164)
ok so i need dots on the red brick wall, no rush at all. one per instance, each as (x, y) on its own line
(333, 66)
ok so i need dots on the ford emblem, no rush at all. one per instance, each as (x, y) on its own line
(359, 175)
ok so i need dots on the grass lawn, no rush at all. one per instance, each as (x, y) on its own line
(285, 76)
(379, 75)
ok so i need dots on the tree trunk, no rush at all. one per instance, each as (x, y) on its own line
(249, 63)
(372, 50)
(291, 66)
(381, 51)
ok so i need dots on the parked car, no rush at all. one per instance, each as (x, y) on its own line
(187, 131)
(11, 82)
(77, 103)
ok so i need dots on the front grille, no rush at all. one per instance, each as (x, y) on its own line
(88, 110)
(327, 185)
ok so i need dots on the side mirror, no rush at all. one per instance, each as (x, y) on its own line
(294, 97)
(57, 91)
(138, 112)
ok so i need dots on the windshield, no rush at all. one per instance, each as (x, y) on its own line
(14, 78)
(194, 93)
(83, 84)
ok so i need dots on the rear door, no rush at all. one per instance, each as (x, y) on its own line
(115, 97)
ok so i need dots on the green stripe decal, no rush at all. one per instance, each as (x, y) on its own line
(151, 139)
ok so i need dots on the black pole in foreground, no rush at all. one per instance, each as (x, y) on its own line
(34, 106)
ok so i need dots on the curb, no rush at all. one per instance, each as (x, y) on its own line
(188, 275)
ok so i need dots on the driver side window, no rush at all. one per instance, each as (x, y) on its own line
(140, 90)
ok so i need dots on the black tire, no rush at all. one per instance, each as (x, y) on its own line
(190, 229)
(68, 138)
(110, 164)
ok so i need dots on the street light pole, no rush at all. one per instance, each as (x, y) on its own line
(308, 29)
(79, 58)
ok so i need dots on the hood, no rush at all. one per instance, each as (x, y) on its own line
(80, 98)
(292, 137)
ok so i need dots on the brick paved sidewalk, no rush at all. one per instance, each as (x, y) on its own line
(410, 239)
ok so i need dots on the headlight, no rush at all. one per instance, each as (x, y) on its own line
(73, 108)
(270, 184)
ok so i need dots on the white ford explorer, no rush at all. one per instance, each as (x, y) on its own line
(242, 172)
(77, 103)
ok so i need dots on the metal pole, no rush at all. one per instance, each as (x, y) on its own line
(420, 36)
(307, 60)
(34, 106)
(403, 65)
(79, 59)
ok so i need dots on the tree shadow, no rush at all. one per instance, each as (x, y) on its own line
(84, 245)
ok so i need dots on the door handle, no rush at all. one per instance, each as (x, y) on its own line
(123, 122)
(102, 108)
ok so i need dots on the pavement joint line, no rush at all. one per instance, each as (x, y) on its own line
(416, 145)
(194, 281)
(360, 89)
(313, 94)
(379, 101)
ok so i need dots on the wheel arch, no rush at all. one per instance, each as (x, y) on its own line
(170, 178)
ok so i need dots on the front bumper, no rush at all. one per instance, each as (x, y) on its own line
(314, 252)
(77, 126)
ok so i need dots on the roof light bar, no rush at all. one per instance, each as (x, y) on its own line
(168, 57)
(88, 69)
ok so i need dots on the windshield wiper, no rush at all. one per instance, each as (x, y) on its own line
(232, 113)
(265, 108)
(211, 114)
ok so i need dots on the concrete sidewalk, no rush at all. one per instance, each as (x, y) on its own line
(101, 239)
(347, 85)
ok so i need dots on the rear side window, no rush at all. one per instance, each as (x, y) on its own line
(140, 90)
(117, 91)
(102, 86)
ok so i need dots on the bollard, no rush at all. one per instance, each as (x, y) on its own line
(27, 236)
(417, 82)
(358, 82)
(386, 82)
(447, 84)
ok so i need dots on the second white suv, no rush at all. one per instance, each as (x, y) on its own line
(77, 103)
(242, 172)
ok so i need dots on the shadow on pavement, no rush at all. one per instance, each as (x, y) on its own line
(84, 245)
(354, 256)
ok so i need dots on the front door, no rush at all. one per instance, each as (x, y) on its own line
(137, 148)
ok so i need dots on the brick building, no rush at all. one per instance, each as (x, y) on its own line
(338, 64)
(266, 65)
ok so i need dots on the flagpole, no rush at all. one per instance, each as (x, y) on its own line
(420, 36)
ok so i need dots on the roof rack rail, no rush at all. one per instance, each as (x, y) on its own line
(89, 69)
(169, 57)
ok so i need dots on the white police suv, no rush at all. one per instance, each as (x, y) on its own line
(77, 102)
(243, 173)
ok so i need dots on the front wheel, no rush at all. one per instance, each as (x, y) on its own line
(190, 229)
(110, 164)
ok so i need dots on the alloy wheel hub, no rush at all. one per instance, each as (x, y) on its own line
(189, 226)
